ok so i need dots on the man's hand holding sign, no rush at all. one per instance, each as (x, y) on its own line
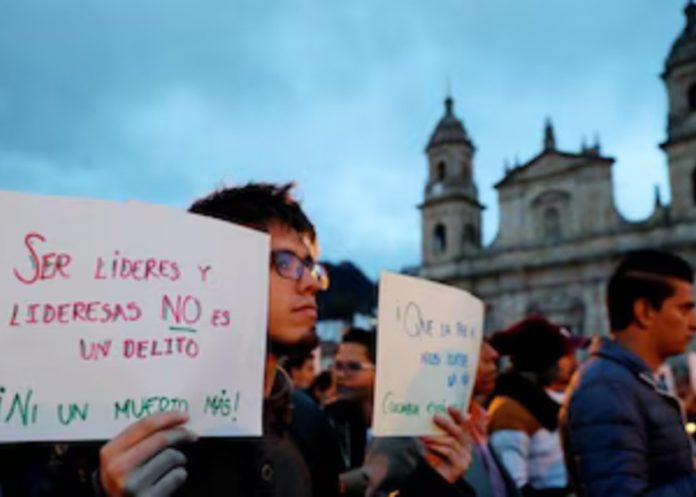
(429, 338)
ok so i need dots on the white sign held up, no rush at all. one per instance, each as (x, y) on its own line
(428, 343)
(111, 312)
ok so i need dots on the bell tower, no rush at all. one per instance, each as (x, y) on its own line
(680, 79)
(451, 212)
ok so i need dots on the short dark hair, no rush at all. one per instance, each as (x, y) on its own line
(643, 274)
(296, 361)
(366, 338)
(256, 205)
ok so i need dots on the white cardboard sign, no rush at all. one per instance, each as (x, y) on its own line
(110, 312)
(428, 344)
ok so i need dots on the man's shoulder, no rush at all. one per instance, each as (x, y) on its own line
(308, 421)
(603, 373)
(303, 405)
(602, 385)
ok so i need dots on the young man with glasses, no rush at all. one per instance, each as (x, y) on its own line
(354, 369)
(351, 413)
(144, 459)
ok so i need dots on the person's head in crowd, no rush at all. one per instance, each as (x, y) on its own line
(295, 276)
(569, 363)
(354, 365)
(651, 304)
(323, 388)
(534, 346)
(487, 371)
(567, 366)
(301, 369)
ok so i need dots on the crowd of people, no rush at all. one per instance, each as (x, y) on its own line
(538, 424)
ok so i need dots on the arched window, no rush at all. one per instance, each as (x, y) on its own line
(469, 235)
(466, 173)
(692, 97)
(693, 185)
(440, 239)
(552, 224)
(441, 171)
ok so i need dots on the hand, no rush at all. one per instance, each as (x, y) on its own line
(141, 461)
(450, 454)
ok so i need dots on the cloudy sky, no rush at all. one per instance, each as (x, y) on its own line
(163, 100)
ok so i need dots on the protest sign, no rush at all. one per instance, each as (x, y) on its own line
(111, 312)
(428, 343)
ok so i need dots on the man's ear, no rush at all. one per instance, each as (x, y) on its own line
(643, 312)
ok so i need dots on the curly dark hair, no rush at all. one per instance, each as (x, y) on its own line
(256, 205)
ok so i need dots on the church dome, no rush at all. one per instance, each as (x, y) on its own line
(684, 47)
(449, 130)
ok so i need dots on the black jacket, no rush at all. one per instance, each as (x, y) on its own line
(296, 457)
(48, 470)
(292, 459)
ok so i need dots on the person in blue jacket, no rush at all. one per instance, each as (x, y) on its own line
(623, 432)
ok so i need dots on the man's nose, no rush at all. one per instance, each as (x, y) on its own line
(338, 373)
(692, 322)
(308, 283)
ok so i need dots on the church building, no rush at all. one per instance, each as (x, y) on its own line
(560, 234)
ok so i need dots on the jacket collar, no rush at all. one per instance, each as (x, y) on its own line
(612, 350)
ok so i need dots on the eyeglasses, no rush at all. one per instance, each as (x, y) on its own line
(351, 367)
(290, 266)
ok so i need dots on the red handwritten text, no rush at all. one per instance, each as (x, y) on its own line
(92, 351)
(220, 318)
(157, 347)
(204, 272)
(124, 268)
(75, 312)
(43, 267)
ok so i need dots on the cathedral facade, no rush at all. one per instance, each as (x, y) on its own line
(560, 235)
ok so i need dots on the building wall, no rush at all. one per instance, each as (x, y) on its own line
(581, 193)
(682, 164)
(566, 282)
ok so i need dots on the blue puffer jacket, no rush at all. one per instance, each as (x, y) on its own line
(623, 435)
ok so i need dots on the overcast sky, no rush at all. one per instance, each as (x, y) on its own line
(164, 100)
